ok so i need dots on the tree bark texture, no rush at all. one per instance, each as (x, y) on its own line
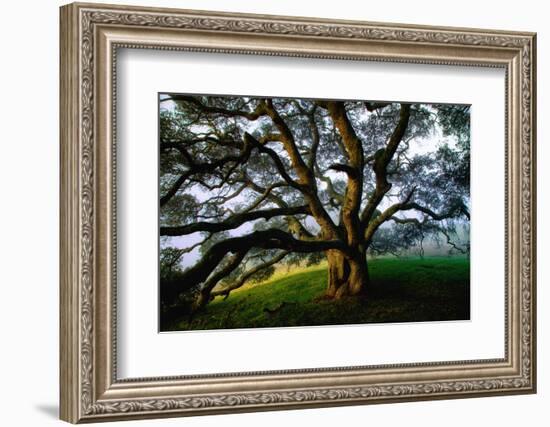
(348, 275)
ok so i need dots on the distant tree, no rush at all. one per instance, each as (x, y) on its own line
(267, 180)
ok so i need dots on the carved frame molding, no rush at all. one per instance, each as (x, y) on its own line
(90, 36)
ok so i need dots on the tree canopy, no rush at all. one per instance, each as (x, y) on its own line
(250, 183)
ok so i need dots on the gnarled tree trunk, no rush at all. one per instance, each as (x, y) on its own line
(347, 276)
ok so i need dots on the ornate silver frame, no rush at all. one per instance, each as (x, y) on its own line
(90, 35)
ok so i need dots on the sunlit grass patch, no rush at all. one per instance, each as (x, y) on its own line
(402, 290)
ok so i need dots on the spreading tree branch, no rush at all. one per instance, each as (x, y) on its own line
(293, 223)
(227, 269)
(248, 138)
(385, 216)
(354, 170)
(264, 239)
(249, 274)
(250, 115)
(202, 168)
(381, 160)
(306, 178)
(454, 211)
(232, 222)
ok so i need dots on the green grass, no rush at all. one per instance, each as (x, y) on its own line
(402, 290)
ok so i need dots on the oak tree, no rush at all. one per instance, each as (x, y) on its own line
(260, 181)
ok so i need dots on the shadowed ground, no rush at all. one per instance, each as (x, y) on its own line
(403, 290)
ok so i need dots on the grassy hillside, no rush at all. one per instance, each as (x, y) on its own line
(403, 290)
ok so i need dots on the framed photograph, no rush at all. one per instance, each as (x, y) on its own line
(267, 212)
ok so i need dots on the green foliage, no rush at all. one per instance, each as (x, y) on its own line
(455, 120)
(403, 290)
(169, 258)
